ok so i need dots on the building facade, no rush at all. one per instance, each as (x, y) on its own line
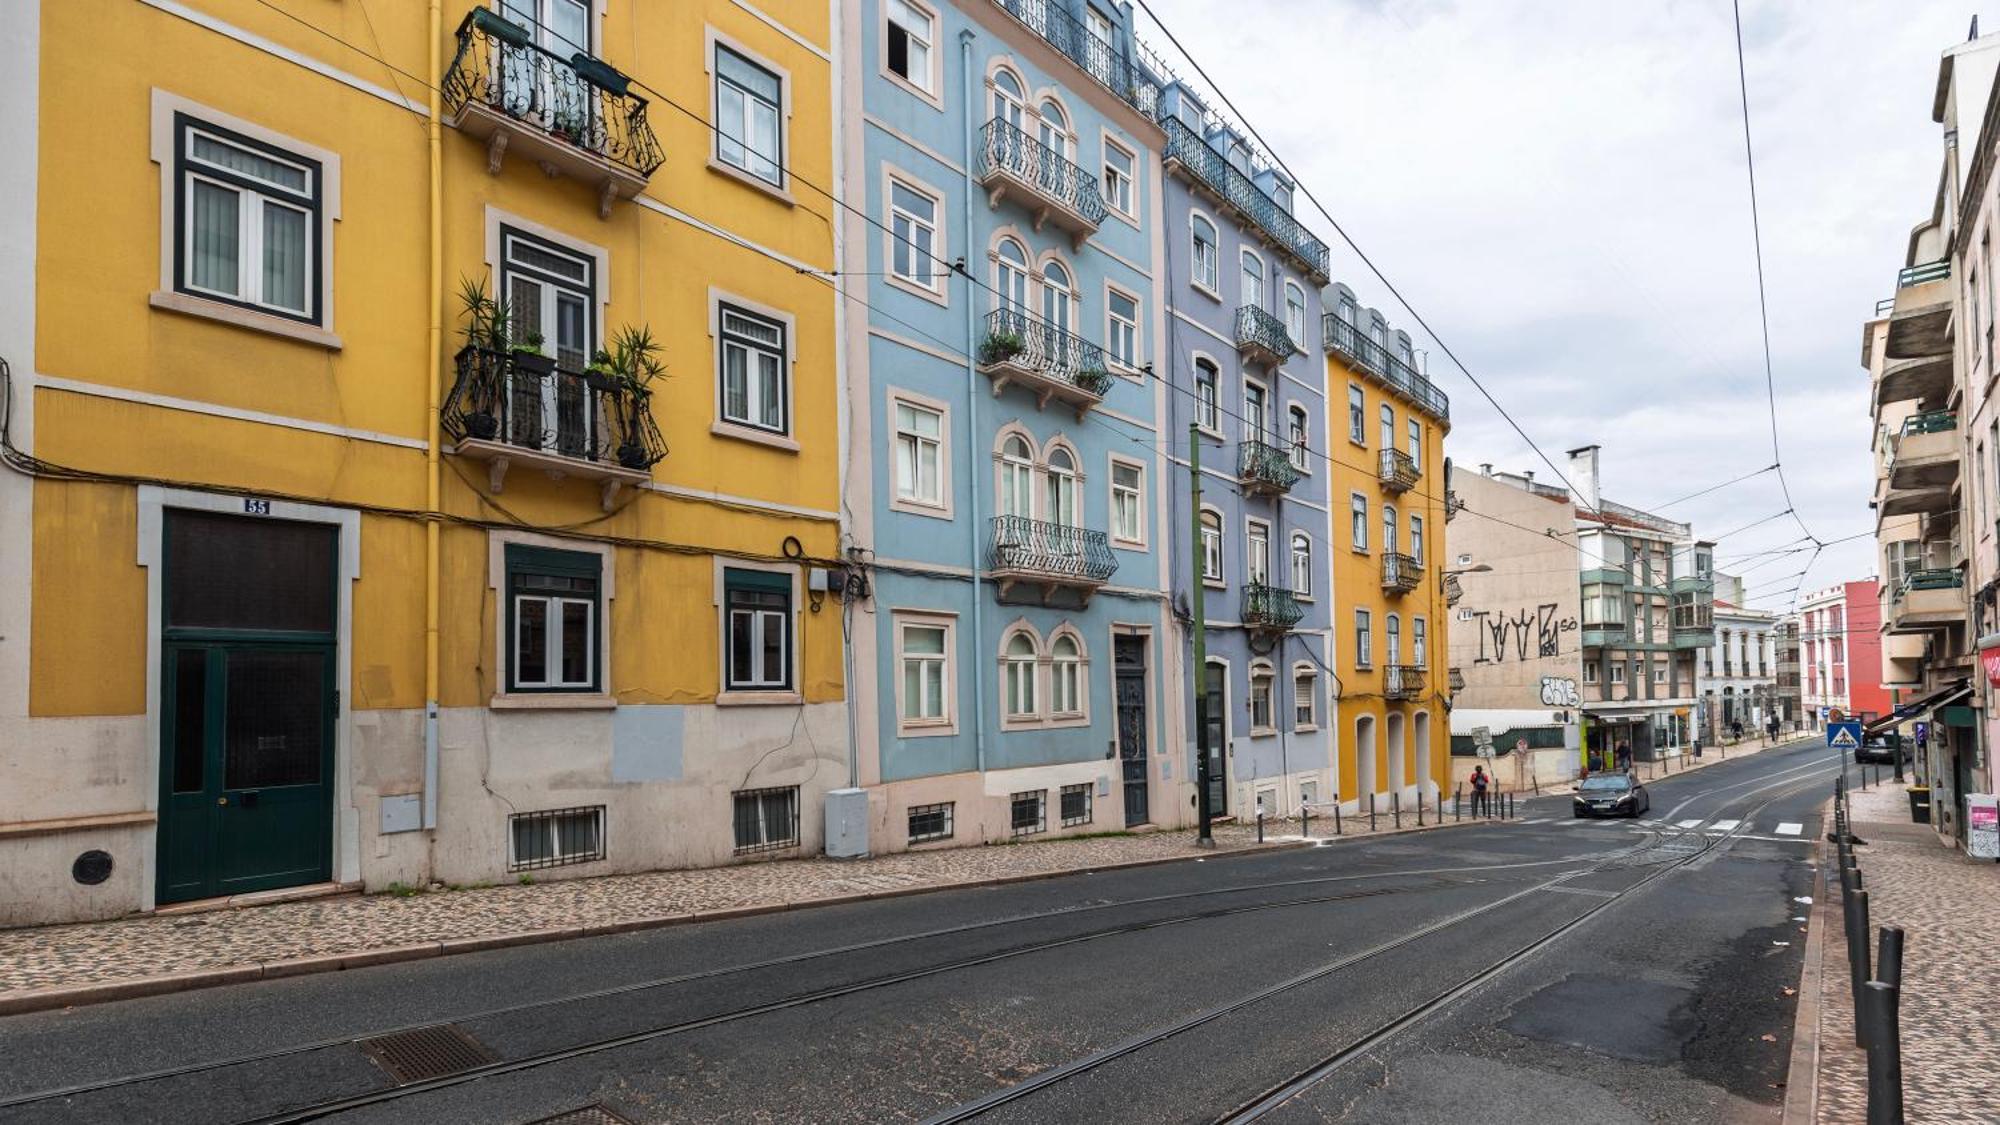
(1738, 675)
(382, 435)
(1387, 457)
(1840, 652)
(1791, 699)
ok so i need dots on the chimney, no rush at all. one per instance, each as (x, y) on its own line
(1583, 473)
(1486, 468)
(1528, 475)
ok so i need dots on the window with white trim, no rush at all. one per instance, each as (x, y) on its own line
(1359, 529)
(755, 359)
(1618, 672)
(1301, 435)
(1416, 444)
(1393, 634)
(1305, 699)
(1211, 547)
(1065, 677)
(912, 30)
(1302, 564)
(1295, 314)
(1027, 813)
(923, 645)
(757, 609)
(749, 116)
(1357, 416)
(1261, 681)
(1122, 341)
(1417, 538)
(1020, 662)
(1256, 414)
(554, 607)
(1206, 255)
(248, 222)
(1419, 638)
(551, 296)
(1128, 502)
(1257, 552)
(1590, 672)
(1388, 426)
(1118, 178)
(1253, 280)
(913, 227)
(1364, 639)
(920, 438)
(555, 838)
(1208, 404)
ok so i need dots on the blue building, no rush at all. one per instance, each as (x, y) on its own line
(1012, 664)
(1241, 283)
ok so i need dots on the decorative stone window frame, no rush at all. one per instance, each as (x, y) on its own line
(1211, 291)
(1038, 718)
(501, 699)
(933, 97)
(721, 426)
(782, 190)
(1195, 360)
(1262, 670)
(1219, 581)
(933, 618)
(1113, 463)
(940, 294)
(1136, 369)
(726, 696)
(1108, 141)
(945, 509)
(1080, 716)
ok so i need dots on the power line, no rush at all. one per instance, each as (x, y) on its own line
(1714, 488)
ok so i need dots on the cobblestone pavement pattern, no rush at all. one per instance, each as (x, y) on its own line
(1950, 1005)
(146, 946)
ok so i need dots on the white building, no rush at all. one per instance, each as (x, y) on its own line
(1738, 675)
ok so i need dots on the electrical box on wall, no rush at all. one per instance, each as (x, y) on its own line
(847, 824)
(402, 813)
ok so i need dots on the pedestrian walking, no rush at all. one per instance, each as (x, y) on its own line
(1771, 730)
(1736, 730)
(1624, 755)
(1479, 784)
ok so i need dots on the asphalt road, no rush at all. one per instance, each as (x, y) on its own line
(1543, 970)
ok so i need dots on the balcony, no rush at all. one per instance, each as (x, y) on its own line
(1926, 452)
(1049, 558)
(1453, 504)
(1401, 573)
(1354, 346)
(1398, 471)
(1694, 625)
(1269, 609)
(1456, 680)
(1403, 682)
(1920, 320)
(1241, 199)
(1924, 379)
(1453, 590)
(1603, 634)
(506, 409)
(574, 117)
(1106, 62)
(1264, 469)
(1927, 599)
(1053, 190)
(1048, 362)
(1261, 337)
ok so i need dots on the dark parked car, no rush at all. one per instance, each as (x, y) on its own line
(1611, 794)
(1884, 748)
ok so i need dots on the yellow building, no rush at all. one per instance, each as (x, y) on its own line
(321, 575)
(1388, 499)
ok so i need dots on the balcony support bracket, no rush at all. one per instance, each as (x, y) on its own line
(496, 151)
(607, 194)
(496, 474)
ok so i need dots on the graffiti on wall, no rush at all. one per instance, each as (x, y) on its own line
(1559, 691)
(1526, 634)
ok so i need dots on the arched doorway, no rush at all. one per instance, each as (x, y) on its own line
(1420, 740)
(1399, 767)
(1364, 761)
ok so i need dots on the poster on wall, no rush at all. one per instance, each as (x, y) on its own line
(1982, 825)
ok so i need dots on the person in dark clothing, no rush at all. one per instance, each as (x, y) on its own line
(1736, 730)
(1771, 729)
(1624, 755)
(1480, 783)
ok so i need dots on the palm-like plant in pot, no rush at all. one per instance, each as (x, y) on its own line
(488, 324)
(634, 365)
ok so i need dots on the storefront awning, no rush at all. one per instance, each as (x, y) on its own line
(1916, 709)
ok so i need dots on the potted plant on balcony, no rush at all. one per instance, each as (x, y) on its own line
(1096, 380)
(487, 324)
(634, 363)
(529, 357)
(601, 373)
(1001, 345)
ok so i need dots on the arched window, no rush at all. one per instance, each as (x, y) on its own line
(1017, 477)
(1417, 640)
(1262, 687)
(1211, 547)
(1020, 662)
(1388, 427)
(1008, 101)
(1346, 310)
(1058, 296)
(1388, 529)
(1301, 435)
(1295, 313)
(1417, 538)
(1061, 504)
(1065, 677)
(1010, 275)
(1055, 128)
(1403, 351)
(1253, 280)
(1205, 252)
(1302, 564)
(1395, 639)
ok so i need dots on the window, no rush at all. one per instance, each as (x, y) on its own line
(1211, 547)
(1020, 678)
(1260, 700)
(1253, 280)
(553, 610)
(1010, 270)
(1346, 310)
(1301, 436)
(1417, 537)
(930, 822)
(1360, 528)
(1017, 477)
(757, 605)
(1388, 415)
(1065, 677)
(1205, 253)
(1659, 673)
(551, 293)
(1295, 314)
(555, 838)
(1208, 404)
(1590, 673)
(1418, 639)
(1393, 634)
(1602, 605)
(1416, 444)
(1403, 351)
(919, 454)
(925, 647)
(1053, 129)
(1075, 805)
(1357, 416)
(1617, 672)
(1255, 413)
(1364, 642)
(1302, 564)
(1257, 553)
(1009, 103)
(248, 229)
(1059, 479)
(753, 370)
(1026, 812)
(1123, 310)
(1058, 296)
(766, 819)
(747, 115)
(1118, 179)
(1305, 699)
(910, 38)
(1388, 529)
(913, 226)
(1128, 500)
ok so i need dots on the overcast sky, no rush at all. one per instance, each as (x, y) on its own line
(1559, 189)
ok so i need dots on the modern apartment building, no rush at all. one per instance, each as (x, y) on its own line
(1791, 701)
(1387, 457)
(324, 577)
(1840, 652)
(1737, 676)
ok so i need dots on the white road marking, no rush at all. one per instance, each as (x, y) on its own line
(1688, 824)
(1725, 825)
(1789, 829)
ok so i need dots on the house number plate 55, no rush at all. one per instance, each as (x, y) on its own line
(256, 507)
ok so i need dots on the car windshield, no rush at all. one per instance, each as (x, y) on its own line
(1882, 740)
(1605, 782)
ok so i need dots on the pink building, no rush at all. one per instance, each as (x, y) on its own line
(1840, 651)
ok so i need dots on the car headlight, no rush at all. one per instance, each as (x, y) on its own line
(1625, 798)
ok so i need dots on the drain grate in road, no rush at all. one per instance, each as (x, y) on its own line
(588, 1115)
(426, 1052)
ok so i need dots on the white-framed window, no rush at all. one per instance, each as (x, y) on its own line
(1017, 477)
(1119, 165)
(1301, 437)
(1256, 412)
(249, 228)
(921, 463)
(1357, 416)
(551, 294)
(1257, 552)
(554, 612)
(1206, 256)
(1419, 639)
(1010, 276)
(555, 838)
(1659, 674)
(1211, 547)
(1207, 392)
(1617, 672)
(1416, 444)
(1121, 311)
(749, 116)
(1417, 537)
(1302, 564)
(765, 819)
(1295, 314)
(1590, 672)
(1019, 660)
(928, 686)
(1060, 504)
(913, 230)
(910, 47)
(1359, 529)
(1066, 682)
(755, 360)
(1364, 639)
(1388, 418)
(1053, 129)
(757, 612)
(1389, 534)
(1010, 101)
(1128, 502)
(1305, 700)
(1262, 720)
(1253, 280)
(1059, 299)
(1393, 636)
(930, 822)
(1075, 805)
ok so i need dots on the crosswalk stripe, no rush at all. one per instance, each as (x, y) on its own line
(1725, 825)
(1790, 829)
(1688, 824)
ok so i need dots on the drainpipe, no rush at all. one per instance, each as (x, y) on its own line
(434, 360)
(965, 39)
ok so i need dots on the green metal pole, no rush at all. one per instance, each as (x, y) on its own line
(1205, 839)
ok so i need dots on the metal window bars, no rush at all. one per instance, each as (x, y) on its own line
(1004, 147)
(766, 819)
(556, 837)
(500, 397)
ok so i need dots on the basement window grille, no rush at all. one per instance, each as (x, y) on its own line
(767, 819)
(1075, 805)
(930, 822)
(1030, 814)
(555, 838)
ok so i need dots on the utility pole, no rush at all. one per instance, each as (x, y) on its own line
(1205, 839)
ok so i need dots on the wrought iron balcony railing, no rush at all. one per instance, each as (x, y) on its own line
(1106, 62)
(1047, 360)
(501, 404)
(1235, 189)
(1060, 189)
(1403, 681)
(1453, 504)
(1923, 272)
(1456, 679)
(1930, 422)
(1350, 342)
(1051, 555)
(1270, 609)
(1261, 336)
(1454, 590)
(1398, 470)
(1401, 573)
(579, 102)
(1265, 468)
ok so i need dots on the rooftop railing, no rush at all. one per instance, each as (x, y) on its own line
(1106, 62)
(1923, 272)
(1349, 341)
(1234, 186)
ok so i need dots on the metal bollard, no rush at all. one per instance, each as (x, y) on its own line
(1511, 814)
(1336, 814)
(1371, 812)
(1458, 802)
(1396, 808)
(1420, 806)
(1879, 1004)
(1305, 820)
(1260, 824)
(1889, 956)
(1857, 958)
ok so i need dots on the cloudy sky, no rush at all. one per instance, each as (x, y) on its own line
(1558, 187)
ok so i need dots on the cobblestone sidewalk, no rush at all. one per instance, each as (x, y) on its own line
(1950, 1005)
(143, 947)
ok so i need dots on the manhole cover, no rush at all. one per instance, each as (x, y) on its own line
(588, 1115)
(426, 1052)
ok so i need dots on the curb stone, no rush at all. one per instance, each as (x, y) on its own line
(1802, 1077)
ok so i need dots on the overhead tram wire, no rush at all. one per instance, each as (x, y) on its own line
(1715, 488)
